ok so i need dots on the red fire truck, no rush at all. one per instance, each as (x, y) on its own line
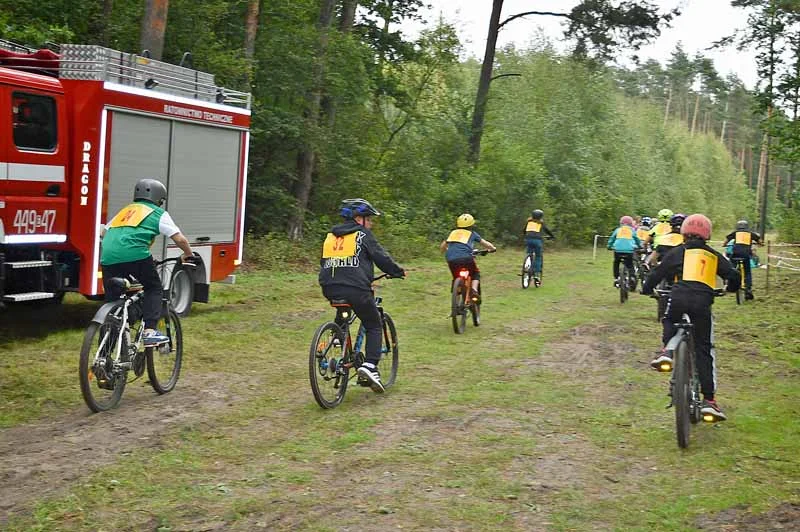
(80, 126)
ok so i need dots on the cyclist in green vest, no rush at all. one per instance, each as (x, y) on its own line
(126, 250)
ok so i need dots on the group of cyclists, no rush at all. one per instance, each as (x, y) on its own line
(673, 246)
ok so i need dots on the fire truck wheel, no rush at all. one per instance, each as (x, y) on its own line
(181, 292)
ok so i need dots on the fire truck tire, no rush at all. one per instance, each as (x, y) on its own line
(181, 291)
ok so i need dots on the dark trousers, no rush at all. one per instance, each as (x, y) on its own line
(145, 272)
(699, 311)
(627, 258)
(363, 303)
(534, 245)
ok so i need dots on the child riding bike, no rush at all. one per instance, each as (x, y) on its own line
(458, 248)
(743, 240)
(534, 228)
(624, 242)
(126, 250)
(696, 265)
(346, 273)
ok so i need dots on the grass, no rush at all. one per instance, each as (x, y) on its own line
(545, 417)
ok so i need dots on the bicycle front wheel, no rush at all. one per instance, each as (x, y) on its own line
(527, 271)
(390, 353)
(682, 393)
(623, 284)
(101, 383)
(164, 362)
(327, 368)
(475, 308)
(457, 310)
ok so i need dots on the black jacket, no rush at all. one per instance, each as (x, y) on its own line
(672, 265)
(357, 270)
(743, 250)
(537, 234)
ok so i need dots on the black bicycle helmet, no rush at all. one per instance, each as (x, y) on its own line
(676, 220)
(357, 207)
(538, 214)
(151, 190)
(742, 225)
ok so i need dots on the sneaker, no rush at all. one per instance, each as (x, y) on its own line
(711, 408)
(153, 338)
(371, 374)
(537, 281)
(616, 283)
(662, 362)
(476, 297)
(749, 296)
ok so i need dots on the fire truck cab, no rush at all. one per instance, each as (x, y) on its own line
(79, 128)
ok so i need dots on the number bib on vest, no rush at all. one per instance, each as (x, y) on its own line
(131, 216)
(701, 266)
(672, 239)
(533, 226)
(625, 232)
(339, 246)
(459, 235)
(743, 237)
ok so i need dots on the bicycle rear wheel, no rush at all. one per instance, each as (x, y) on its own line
(740, 291)
(527, 271)
(682, 393)
(390, 353)
(623, 282)
(475, 309)
(164, 362)
(457, 310)
(101, 384)
(327, 372)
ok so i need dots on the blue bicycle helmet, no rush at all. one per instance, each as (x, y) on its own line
(357, 207)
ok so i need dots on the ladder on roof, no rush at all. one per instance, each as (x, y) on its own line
(90, 62)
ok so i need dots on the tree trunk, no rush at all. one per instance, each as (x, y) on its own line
(251, 28)
(308, 157)
(154, 24)
(483, 84)
(669, 101)
(348, 17)
(694, 116)
(108, 7)
(724, 123)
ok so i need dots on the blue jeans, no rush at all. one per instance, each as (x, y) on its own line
(534, 245)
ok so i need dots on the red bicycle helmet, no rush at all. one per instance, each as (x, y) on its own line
(626, 220)
(697, 225)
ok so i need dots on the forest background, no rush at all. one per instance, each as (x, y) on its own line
(345, 105)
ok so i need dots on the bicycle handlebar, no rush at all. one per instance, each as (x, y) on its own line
(386, 276)
(191, 262)
(482, 252)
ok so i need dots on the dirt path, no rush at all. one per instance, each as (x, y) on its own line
(39, 459)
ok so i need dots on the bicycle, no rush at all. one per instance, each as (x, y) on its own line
(740, 293)
(684, 383)
(333, 353)
(624, 282)
(527, 270)
(462, 300)
(113, 346)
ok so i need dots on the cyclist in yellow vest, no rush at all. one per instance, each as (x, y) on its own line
(458, 248)
(657, 233)
(743, 240)
(350, 253)
(624, 241)
(696, 265)
(672, 239)
(126, 250)
(535, 228)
